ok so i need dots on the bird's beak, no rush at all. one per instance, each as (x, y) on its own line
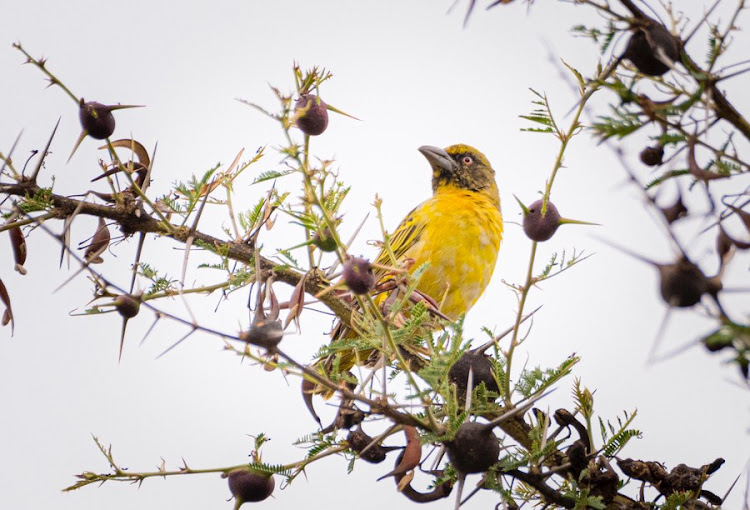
(439, 159)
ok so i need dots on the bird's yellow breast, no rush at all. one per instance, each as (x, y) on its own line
(460, 241)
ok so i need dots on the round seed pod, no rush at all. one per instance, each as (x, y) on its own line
(127, 305)
(541, 228)
(682, 283)
(248, 486)
(645, 46)
(311, 115)
(358, 275)
(481, 367)
(263, 333)
(324, 240)
(474, 448)
(97, 119)
(652, 156)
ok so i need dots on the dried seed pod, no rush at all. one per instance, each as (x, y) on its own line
(650, 48)
(7, 317)
(18, 242)
(250, 486)
(358, 440)
(263, 333)
(99, 243)
(474, 448)
(652, 156)
(358, 275)
(311, 115)
(411, 456)
(308, 390)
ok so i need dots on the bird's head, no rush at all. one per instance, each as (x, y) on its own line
(460, 166)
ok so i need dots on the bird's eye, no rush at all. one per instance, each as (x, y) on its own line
(467, 160)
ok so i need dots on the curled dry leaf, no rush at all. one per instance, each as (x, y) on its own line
(439, 492)
(138, 149)
(99, 243)
(18, 242)
(139, 168)
(8, 313)
(296, 303)
(744, 216)
(273, 313)
(308, 390)
(412, 454)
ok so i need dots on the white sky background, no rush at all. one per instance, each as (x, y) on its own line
(415, 77)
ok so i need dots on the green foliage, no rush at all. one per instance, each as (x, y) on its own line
(538, 380)
(665, 177)
(270, 175)
(40, 201)
(620, 124)
(271, 469)
(677, 500)
(159, 283)
(601, 36)
(541, 115)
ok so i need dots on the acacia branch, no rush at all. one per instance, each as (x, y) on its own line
(133, 218)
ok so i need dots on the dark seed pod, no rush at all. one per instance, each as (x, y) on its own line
(474, 448)
(127, 305)
(311, 115)
(541, 228)
(264, 333)
(646, 47)
(358, 275)
(682, 283)
(481, 368)
(247, 486)
(652, 156)
(358, 440)
(324, 240)
(97, 119)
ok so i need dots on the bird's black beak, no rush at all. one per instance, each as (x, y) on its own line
(439, 159)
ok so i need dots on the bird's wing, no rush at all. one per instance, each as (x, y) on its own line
(405, 237)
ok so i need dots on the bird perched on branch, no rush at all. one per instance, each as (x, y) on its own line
(456, 233)
(453, 237)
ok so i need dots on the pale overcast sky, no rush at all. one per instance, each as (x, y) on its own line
(415, 76)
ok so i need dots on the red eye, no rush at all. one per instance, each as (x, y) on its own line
(467, 160)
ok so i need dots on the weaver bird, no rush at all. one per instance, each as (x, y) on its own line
(456, 232)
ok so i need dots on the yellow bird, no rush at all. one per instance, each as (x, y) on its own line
(457, 232)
